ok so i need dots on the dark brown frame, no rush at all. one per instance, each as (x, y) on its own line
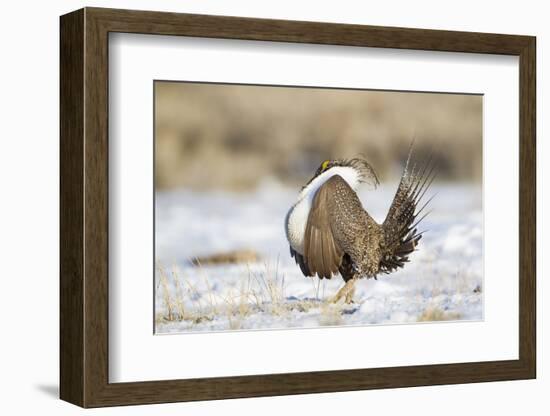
(84, 208)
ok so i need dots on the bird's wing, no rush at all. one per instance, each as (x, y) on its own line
(300, 262)
(334, 219)
(399, 227)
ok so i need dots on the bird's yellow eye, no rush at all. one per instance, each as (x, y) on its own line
(324, 165)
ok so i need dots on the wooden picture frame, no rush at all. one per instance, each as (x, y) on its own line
(84, 207)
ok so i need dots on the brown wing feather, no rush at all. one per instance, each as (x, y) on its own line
(300, 262)
(323, 256)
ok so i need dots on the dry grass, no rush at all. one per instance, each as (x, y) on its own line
(432, 314)
(258, 292)
(331, 314)
(228, 257)
(229, 137)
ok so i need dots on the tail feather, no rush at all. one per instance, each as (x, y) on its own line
(400, 226)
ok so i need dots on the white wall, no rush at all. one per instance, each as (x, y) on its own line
(29, 207)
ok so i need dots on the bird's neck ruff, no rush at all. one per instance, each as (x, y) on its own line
(297, 217)
(350, 174)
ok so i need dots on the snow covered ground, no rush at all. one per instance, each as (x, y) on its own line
(443, 281)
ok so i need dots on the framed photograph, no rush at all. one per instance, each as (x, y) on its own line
(254, 207)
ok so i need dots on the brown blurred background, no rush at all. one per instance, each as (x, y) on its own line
(220, 136)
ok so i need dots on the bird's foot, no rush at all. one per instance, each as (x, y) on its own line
(349, 295)
(336, 298)
(346, 292)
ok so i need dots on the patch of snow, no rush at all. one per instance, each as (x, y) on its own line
(445, 274)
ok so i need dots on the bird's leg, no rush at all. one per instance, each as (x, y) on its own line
(345, 292)
(351, 292)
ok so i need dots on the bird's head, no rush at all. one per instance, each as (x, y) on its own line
(354, 171)
(362, 170)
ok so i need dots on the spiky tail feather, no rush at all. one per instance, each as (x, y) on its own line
(400, 226)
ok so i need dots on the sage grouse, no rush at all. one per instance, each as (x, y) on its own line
(329, 231)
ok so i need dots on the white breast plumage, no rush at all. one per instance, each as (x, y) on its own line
(296, 218)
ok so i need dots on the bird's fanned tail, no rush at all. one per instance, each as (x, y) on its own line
(400, 226)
